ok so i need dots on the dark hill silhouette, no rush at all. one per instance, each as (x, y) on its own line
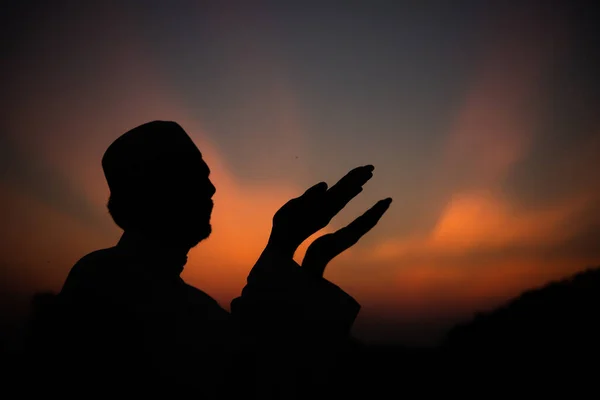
(548, 335)
(562, 315)
(545, 337)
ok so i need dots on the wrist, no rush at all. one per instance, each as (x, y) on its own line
(280, 249)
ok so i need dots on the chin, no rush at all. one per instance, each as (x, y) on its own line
(201, 235)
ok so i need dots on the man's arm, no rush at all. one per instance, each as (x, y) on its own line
(298, 301)
(282, 302)
(294, 316)
(294, 324)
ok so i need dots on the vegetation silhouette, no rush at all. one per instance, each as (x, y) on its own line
(124, 318)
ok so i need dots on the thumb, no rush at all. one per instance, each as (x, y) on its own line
(315, 190)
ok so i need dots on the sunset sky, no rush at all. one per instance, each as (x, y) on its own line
(482, 120)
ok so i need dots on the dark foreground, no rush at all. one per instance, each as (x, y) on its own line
(546, 340)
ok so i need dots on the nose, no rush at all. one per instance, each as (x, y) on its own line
(211, 188)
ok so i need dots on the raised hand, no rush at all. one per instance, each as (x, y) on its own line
(301, 217)
(329, 246)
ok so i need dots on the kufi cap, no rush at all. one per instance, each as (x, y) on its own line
(143, 151)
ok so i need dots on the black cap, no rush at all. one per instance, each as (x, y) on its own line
(144, 150)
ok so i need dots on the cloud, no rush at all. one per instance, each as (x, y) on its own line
(493, 131)
(482, 222)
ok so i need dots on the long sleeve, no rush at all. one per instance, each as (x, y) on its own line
(295, 322)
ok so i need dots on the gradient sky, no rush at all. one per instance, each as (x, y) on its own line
(481, 118)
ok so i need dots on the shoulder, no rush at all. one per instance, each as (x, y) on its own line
(198, 296)
(91, 268)
(200, 299)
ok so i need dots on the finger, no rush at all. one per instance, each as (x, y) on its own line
(319, 188)
(327, 247)
(340, 194)
(356, 177)
(350, 234)
(310, 194)
(318, 255)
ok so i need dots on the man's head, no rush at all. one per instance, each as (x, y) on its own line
(159, 184)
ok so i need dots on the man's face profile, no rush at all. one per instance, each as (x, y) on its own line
(185, 200)
(160, 184)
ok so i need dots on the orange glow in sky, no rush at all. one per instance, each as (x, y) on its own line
(477, 244)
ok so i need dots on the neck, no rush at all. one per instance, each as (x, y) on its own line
(158, 254)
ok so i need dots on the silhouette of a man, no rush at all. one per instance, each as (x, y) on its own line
(127, 317)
